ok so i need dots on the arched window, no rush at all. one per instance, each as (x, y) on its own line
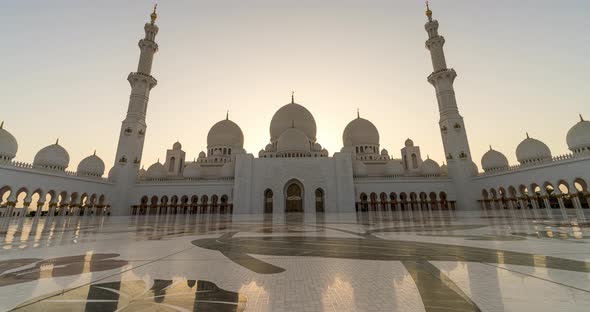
(319, 200)
(268, 201)
(414, 161)
(172, 163)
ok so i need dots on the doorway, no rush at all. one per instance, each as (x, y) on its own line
(294, 197)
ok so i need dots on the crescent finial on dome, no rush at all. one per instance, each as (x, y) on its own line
(2, 124)
(428, 11)
(154, 16)
(527, 135)
(490, 147)
(227, 115)
(158, 160)
(292, 97)
(94, 153)
(358, 113)
(57, 141)
(581, 119)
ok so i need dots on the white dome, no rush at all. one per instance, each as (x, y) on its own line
(494, 160)
(531, 150)
(384, 152)
(156, 171)
(289, 116)
(325, 152)
(92, 166)
(293, 140)
(578, 137)
(359, 169)
(360, 131)
(112, 175)
(317, 147)
(202, 154)
(8, 144)
(177, 146)
(268, 147)
(225, 133)
(444, 170)
(394, 167)
(430, 167)
(192, 171)
(227, 170)
(409, 143)
(260, 153)
(52, 157)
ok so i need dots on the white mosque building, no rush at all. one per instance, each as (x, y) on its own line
(293, 172)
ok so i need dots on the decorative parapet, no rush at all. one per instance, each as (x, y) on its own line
(402, 178)
(553, 160)
(31, 167)
(184, 181)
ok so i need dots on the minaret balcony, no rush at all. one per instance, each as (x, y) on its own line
(139, 76)
(446, 73)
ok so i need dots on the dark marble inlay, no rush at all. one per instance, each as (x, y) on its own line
(56, 267)
(136, 295)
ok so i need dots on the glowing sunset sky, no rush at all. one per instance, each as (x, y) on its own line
(522, 66)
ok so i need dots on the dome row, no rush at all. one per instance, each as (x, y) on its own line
(395, 167)
(531, 150)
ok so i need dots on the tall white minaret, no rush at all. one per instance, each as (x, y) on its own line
(452, 127)
(133, 128)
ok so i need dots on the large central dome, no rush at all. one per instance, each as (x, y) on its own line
(292, 115)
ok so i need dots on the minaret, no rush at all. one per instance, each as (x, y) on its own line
(451, 122)
(133, 128)
(452, 127)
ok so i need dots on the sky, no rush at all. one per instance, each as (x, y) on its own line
(522, 67)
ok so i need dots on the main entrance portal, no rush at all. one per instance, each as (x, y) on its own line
(294, 198)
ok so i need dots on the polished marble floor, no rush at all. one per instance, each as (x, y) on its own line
(374, 261)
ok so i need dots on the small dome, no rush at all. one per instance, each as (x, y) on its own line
(177, 146)
(225, 133)
(532, 150)
(142, 173)
(384, 152)
(474, 169)
(325, 152)
(260, 153)
(289, 116)
(430, 168)
(91, 166)
(444, 170)
(52, 157)
(293, 140)
(494, 160)
(409, 143)
(8, 144)
(317, 147)
(359, 169)
(156, 171)
(112, 176)
(578, 137)
(202, 154)
(360, 131)
(192, 170)
(394, 167)
(227, 170)
(268, 147)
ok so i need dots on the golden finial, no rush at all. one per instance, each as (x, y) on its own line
(153, 16)
(581, 119)
(292, 97)
(227, 115)
(358, 113)
(428, 11)
(57, 141)
(94, 153)
(527, 135)
(2, 124)
(490, 147)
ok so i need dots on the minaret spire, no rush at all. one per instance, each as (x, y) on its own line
(154, 15)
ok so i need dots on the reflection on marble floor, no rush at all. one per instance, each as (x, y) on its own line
(375, 261)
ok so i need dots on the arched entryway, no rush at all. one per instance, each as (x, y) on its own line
(294, 197)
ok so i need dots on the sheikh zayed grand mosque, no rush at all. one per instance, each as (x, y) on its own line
(293, 172)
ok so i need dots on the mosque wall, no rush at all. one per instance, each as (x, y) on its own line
(332, 175)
